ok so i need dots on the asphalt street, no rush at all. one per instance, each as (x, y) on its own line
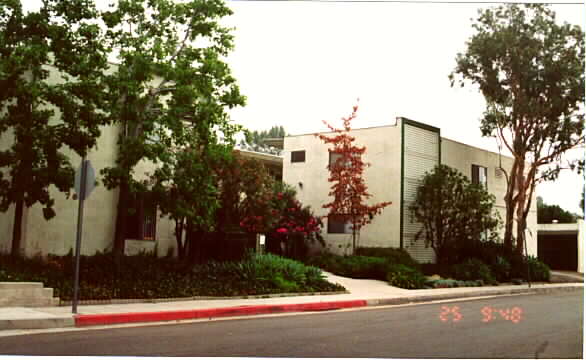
(526, 326)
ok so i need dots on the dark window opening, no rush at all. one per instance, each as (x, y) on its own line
(334, 156)
(336, 225)
(141, 219)
(479, 175)
(298, 156)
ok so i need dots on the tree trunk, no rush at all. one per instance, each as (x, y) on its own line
(17, 228)
(179, 226)
(121, 218)
(521, 223)
(353, 241)
(510, 207)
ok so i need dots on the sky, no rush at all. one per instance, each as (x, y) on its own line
(301, 62)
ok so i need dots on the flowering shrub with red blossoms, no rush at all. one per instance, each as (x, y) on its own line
(285, 218)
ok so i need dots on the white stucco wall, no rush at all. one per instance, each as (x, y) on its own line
(581, 239)
(462, 157)
(383, 178)
(57, 236)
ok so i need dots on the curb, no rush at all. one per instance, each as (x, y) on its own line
(247, 310)
(29, 324)
(107, 319)
(473, 293)
(161, 300)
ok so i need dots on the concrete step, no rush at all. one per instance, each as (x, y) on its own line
(18, 318)
(21, 285)
(26, 294)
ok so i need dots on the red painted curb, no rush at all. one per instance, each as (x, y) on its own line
(106, 319)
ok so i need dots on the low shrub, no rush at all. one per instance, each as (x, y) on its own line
(435, 269)
(473, 269)
(450, 283)
(392, 255)
(357, 267)
(402, 276)
(147, 277)
(501, 269)
(537, 269)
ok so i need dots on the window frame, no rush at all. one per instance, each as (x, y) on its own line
(346, 225)
(142, 224)
(476, 172)
(297, 152)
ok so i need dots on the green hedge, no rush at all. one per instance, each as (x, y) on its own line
(147, 277)
(392, 255)
(357, 267)
(402, 276)
(372, 267)
(473, 269)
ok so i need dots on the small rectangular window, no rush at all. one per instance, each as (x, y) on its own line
(479, 175)
(334, 156)
(298, 156)
(337, 226)
(141, 219)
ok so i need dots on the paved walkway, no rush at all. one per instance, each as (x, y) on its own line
(361, 293)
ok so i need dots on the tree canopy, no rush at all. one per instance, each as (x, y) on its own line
(171, 90)
(51, 100)
(531, 72)
(454, 212)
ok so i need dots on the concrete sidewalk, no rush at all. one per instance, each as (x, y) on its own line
(361, 293)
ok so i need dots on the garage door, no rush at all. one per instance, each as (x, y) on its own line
(559, 252)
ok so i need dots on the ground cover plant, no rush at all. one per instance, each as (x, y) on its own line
(148, 277)
(393, 265)
(491, 262)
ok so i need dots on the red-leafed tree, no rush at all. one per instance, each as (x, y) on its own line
(348, 189)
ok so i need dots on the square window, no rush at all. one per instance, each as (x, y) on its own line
(298, 156)
(337, 226)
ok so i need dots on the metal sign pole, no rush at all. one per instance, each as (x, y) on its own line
(79, 231)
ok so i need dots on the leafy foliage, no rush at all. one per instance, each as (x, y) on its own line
(357, 267)
(259, 274)
(453, 211)
(368, 267)
(246, 191)
(473, 269)
(255, 140)
(392, 255)
(280, 216)
(451, 283)
(547, 213)
(538, 271)
(405, 277)
(62, 38)
(170, 91)
(348, 189)
(531, 73)
(188, 192)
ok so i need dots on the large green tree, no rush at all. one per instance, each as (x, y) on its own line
(170, 90)
(530, 70)
(454, 212)
(43, 115)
